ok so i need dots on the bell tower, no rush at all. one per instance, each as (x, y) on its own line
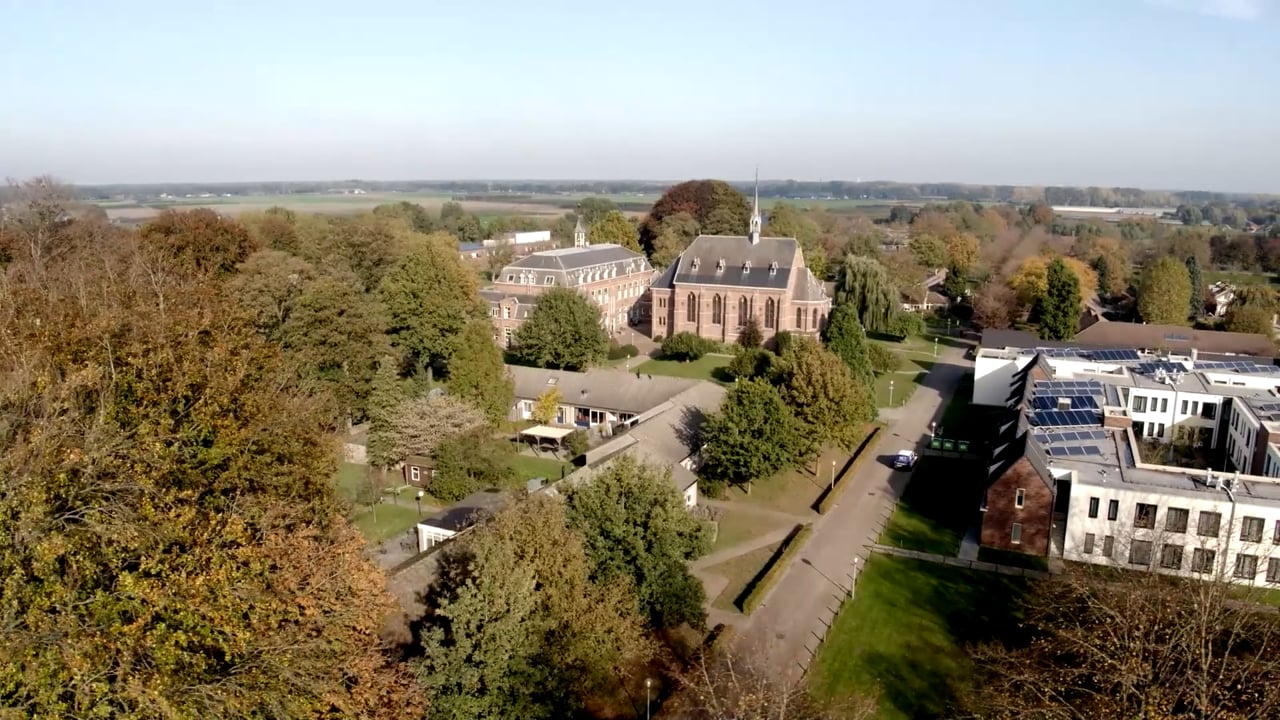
(579, 234)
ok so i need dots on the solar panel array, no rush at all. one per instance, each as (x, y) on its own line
(1050, 402)
(1116, 355)
(1071, 436)
(1069, 387)
(1064, 418)
(1151, 368)
(1074, 451)
(1268, 407)
(1245, 366)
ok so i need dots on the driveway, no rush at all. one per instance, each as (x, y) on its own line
(786, 631)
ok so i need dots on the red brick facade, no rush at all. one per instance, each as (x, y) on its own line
(1035, 516)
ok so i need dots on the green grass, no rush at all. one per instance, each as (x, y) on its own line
(1237, 277)
(939, 504)
(904, 386)
(794, 491)
(902, 639)
(527, 467)
(348, 479)
(1013, 559)
(707, 367)
(736, 527)
(741, 572)
(384, 521)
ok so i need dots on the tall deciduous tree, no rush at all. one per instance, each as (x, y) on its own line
(593, 209)
(430, 297)
(929, 250)
(516, 628)
(1164, 293)
(824, 395)
(784, 220)
(1196, 307)
(1253, 310)
(267, 284)
(995, 305)
(1032, 278)
(563, 331)
(366, 245)
(753, 436)
(716, 205)
(636, 528)
(614, 227)
(865, 286)
(420, 424)
(846, 338)
(385, 395)
(962, 250)
(477, 373)
(1058, 309)
(674, 234)
(200, 239)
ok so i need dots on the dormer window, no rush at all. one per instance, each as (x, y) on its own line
(510, 278)
(720, 265)
(746, 267)
(695, 264)
(548, 280)
(773, 268)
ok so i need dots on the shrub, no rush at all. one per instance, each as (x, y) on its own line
(882, 359)
(906, 324)
(749, 363)
(777, 566)
(617, 352)
(782, 341)
(576, 443)
(686, 346)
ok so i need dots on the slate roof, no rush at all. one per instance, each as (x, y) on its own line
(469, 510)
(525, 306)
(573, 258)
(736, 251)
(603, 388)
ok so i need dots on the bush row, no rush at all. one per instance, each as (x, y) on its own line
(777, 565)
(828, 500)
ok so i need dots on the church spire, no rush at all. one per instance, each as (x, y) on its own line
(579, 234)
(754, 233)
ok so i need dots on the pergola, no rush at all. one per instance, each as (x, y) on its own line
(538, 433)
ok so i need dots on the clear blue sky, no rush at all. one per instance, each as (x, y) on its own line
(1151, 93)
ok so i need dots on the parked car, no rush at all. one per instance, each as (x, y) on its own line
(905, 460)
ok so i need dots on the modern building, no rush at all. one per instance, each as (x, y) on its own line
(612, 276)
(721, 281)
(1133, 457)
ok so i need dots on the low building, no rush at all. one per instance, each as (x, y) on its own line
(452, 521)
(925, 296)
(601, 396)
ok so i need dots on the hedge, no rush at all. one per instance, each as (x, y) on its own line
(777, 565)
(829, 498)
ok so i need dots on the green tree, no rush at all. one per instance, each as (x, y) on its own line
(412, 214)
(685, 346)
(459, 223)
(430, 297)
(1102, 266)
(845, 337)
(636, 528)
(477, 374)
(865, 286)
(563, 331)
(1164, 292)
(614, 227)
(593, 209)
(784, 220)
(1058, 309)
(718, 208)
(750, 363)
(674, 234)
(546, 406)
(882, 359)
(267, 284)
(824, 395)
(515, 627)
(1197, 287)
(955, 284)
(385, 394)
(365, 245)
(753, 436)
(751, 336)
(1253, 310)
(929, 250)
(470, 462)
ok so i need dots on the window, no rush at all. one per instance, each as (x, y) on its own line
(1144, 516)
(1160, 430)
(1246, 566)
(1273, 570)
(1175, 519)
(1209, 411)
(1108, 546)
(1171, 557)
(1275, 538)
(506, 337)
(506, 312)
(1015, 535)
(1089, 540)
(742, 311)
(1164, 404)
(815, 319)
(1184, 407)
(1140, 552)
(1195, 407)
(799, 318)
(1019, 498)
(770, 310)
(415, 473)
(691, 309)
(1202, 560)
(1251, 529)
(717, 310)
(1113, 509)
(510, 278)
(548, 280)
(1093, 507)
(1207, 525)
(1139, 403)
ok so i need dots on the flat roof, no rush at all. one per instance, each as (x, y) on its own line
(548, 432)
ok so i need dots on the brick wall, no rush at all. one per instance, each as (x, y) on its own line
(1035, 515)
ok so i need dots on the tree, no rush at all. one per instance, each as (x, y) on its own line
(929, 250)
(636, 529)
(199, 239)
(1164, 292)
(865, 286)
(824, 395)
(962, 250)
(385, 395)
(718, 208)
(547, 406)
(845, 337)
(955, 284)
(906, 324)
(750, 363)
(430, 297)
(751, 336)
(994, 305)
(477, 374)
(882, 359)
(563, 331)
(614, 227)
(1058, 309)
(593, 209)
(498, 256)
(727, 685)
(413, 215)
(674, 234)
(267, 284)
(1102, 266)
(462, 225)
(1197, 287)
(784, 220)
(685, 346)
(154, 451)
(1032, 278)
(753, 436)
(420, 424)
(366, 245)
(516, 629)
(467, 463)
(1253, 310)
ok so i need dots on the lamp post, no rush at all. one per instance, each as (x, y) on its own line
(935, 342)
(648, 684)
(854, 581)
(890, 393)
(933, 429)
(833, 476)
(419, 499)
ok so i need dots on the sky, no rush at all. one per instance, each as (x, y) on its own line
(1159, 94)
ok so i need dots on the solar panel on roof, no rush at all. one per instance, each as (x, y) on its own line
(1150, 368)
(1116, 355)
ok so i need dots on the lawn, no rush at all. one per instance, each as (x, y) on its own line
(736, 527)
(527, 467)
(904, 384)
(796, 490)
(1013, 559)
(741, 572)
(902, 638)
(940, 503)
(707, 367)
(386, 520)
(348, 478)
(1237, 277)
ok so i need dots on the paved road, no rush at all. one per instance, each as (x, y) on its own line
(789, 627)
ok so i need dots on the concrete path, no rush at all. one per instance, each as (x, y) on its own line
(969, 544)
(755, 543)
(786, 630)
(743, 507)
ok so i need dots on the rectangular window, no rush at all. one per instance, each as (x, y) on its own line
(1208, 524)
(1108, 546)
(1209, 411)
(1160, 430)
(1019, 498)
(1164, 404)
(1113, 509)
(1140, 552)
(414, 473)
(506, 313)
(1251, 529)
(1015, 535)
(1089, 540)
(1139, 403)
(1246, 566)
(1144, 516)
(1195, 407)
(1275, 538)
(1171, 557)
(1202, 560)
(1175, 519)
(1273, 570)
(1184, 407)
(1093, 512)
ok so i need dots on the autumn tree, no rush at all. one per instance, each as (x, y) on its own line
(845, 337)
(754, 435)
(477, 374)
(563, 332)
(1058, 310)
(516, 629)
(962, 250)
(864, 285)
(823, 394)
(1196, 307)
(718, 208)
(368, 246)
(200, 239)
(1031, 280)
(614, 227)
(173, 544)
(730, 685)
(673, 235)
(929, 250)
(420, 424)
(267, 284)
(636, 529)
(1253, 310)
(546, 406)
(1164, 292)
(994, 305)
(429, 297)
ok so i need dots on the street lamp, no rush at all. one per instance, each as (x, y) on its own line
(890, 393)
(935, 341)
(648, 683)
(933, 429)
(419, 499)
(833, 476)
(853, 582)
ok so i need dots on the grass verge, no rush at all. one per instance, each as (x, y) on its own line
(794, 491)
(772, 571)
(527, 467)
(384, 521)
(740, 572)
(856, 462)
(736, 527)
(707, 367)
(939, 504)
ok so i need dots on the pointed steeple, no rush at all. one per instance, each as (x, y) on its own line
(579, 234)
(753, 234)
